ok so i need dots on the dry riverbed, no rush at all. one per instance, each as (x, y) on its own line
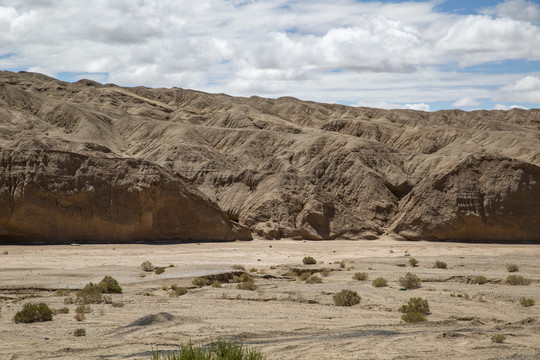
(285, 318)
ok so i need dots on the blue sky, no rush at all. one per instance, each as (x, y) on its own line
(424, 55)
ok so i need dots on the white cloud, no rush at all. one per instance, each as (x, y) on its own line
(506, 107)
(526, 89)
(466, 101)
(517, 9)
(528, 83)
(390, 106)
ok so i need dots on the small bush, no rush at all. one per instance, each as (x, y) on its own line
(83, 309)
(440, 265)
(498, 338)
(410, 281)
(63, 310)
(222, 349)
(480, 280)
(216, 284)
(243, 278)
(342, 264)
(32, 313)
(360, 276)
(199, 281)
(526, 302)
(413, 262)
(314, 280)
(69, 301)
(79, 317)
(379, 282)
(159, 270)
(308, 260)
(304, 276)
(246, 285)
(415, 305)
(90, 294)
(107, 299)
(117, 304)
(347, 298)
(80, 332)
(239, 267)
(147, 266)
(253, 270)
(109, 285)
(413, 317)
(325, 272)
(517, 280)
(512, 268)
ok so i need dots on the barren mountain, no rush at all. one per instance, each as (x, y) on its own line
(85, 161)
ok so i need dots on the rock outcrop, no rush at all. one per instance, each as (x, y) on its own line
(290, 168)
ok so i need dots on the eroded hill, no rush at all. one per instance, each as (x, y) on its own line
(280, 167)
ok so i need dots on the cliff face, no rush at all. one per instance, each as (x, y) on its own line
(283, 167)
(56, 196)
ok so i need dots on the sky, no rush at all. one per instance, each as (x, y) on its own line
(422, 55)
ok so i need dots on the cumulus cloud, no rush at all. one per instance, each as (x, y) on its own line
(465, 102)
(526, 89)
(508, 107)
(327, 51)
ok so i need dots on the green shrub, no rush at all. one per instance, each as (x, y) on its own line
(216, 284)
(243, 278)
(147, 266)
(32, 313)
(347, 298)
(80, 332)
(360, 276)
(480, 280)
(512, 268)
(159, 270)
(90, 294)
(314, 280)
(109, 285)
(413, 262)
(409, 281)
(200, 281)
(63, 310)
(239, 267)
(517, 280)
(308, 260)
(498, 338)
(415, 305)
(379, 282)
(440, 265)
(83, 309)
(413, 317)
(221, 350)
(526, 302)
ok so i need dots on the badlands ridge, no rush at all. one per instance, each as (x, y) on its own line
(86, 162)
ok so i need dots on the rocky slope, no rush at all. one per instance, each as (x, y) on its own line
(283, 167)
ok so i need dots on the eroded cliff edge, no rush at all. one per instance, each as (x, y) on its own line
(290, 168)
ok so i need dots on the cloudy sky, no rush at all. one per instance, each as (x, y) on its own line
(425, 55)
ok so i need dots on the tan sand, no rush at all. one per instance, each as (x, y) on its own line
(285, 318)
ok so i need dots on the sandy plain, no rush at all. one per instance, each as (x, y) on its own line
(284, 317)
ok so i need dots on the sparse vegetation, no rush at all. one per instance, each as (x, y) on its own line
(63, 310)
(440, 265)
(479, 280)
(360, 276)
(512, 268)
(325, 272)
(216, 284)
(109, 285)
(526, 302)
(90, 294)
(239, 267)
(32, 313)
(107, 299)
(346, 298)
(221, 350)
(314, 279)
(409, 281)
(415, 305)
(79, 317)
(117, 304)
(413, 317)
(517, 280)
(308, 260)
(178, 290)
(498, 338)
(147, 266)
(304, 276)
(245, 282)
(80, 332)
(62, 292)
(342, 264)
(200, 281)
(83, 309)
(159, 270)
(380, 282)
(413, 262)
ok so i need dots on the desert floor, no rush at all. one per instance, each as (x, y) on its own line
(284, 317)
